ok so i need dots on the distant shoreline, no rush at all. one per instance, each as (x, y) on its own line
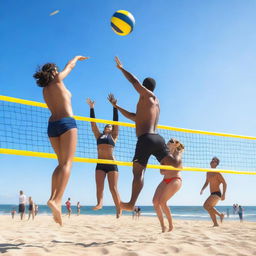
(178, 212)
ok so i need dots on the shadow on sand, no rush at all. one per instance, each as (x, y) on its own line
(5, 247)
(93, 244)
(8, 246)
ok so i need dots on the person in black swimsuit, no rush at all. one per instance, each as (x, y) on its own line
(149, 141)
(31, 208)
(105, 146)
(214, 179)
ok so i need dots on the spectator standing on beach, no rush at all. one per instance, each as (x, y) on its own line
(36, 209)
(78, 206)
(22, 204)
(240, 212)
(234, 209)
(227, 212)
(13, 212)
(31, 208)
(68, 205)
(138, 212)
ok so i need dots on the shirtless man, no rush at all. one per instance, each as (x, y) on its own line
(149, 142)
(215, 179)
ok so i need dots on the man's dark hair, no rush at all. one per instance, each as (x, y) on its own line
(149, 83)
(44, 74)
(217, 160)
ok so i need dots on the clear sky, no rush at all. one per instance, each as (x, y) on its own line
(201, 53)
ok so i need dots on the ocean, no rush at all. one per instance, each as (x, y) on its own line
(178, 212)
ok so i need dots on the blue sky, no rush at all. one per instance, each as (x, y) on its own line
(202, 54)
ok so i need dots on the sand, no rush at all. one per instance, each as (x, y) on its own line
(105, 235)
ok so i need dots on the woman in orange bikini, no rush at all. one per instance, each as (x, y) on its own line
(168, 186)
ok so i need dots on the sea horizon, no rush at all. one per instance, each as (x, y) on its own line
(178, 212)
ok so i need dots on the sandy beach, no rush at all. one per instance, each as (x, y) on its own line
(104, 235)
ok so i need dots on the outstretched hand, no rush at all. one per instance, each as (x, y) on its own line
(118, 63)
(112, 99)
(90, 102)
(82, 58)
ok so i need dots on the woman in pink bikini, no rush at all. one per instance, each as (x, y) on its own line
(168, 186)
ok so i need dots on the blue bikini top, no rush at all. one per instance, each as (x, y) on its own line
(105, 139)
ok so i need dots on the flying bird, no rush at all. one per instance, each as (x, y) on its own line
(53, 13)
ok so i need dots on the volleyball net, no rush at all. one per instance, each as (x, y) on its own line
(23, 131)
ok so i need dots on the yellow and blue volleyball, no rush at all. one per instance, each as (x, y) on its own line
(122, 22)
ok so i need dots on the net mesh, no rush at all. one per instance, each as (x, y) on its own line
(24, 127)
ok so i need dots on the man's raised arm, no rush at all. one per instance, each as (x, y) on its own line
(133, 80)
(126, 113)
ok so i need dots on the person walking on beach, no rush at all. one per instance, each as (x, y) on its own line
(62, 128)
(235, 209)
(138, 213)
(13, 212)
(36, 209)
(134, 213)
(22, 204)
(240, 212)
(68, 205)
(228, 212)
(214, 179)
(78, 207)
(237, 206)
(31, 208)
(168, 187)
(149, 142)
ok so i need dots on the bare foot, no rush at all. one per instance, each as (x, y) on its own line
(215, 225)
(97, 207)
(56, 212)
(221, 217)
(118, 213)
(170, 228)
(163, 229)
(127, 207)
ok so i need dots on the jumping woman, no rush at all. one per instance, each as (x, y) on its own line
(62, 129)
(105, 146)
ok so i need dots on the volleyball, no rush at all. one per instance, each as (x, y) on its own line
(122, 22)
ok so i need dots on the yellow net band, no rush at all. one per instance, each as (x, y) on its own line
(24, 102)
(120, 163)
(88, 119)
(24, 132)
